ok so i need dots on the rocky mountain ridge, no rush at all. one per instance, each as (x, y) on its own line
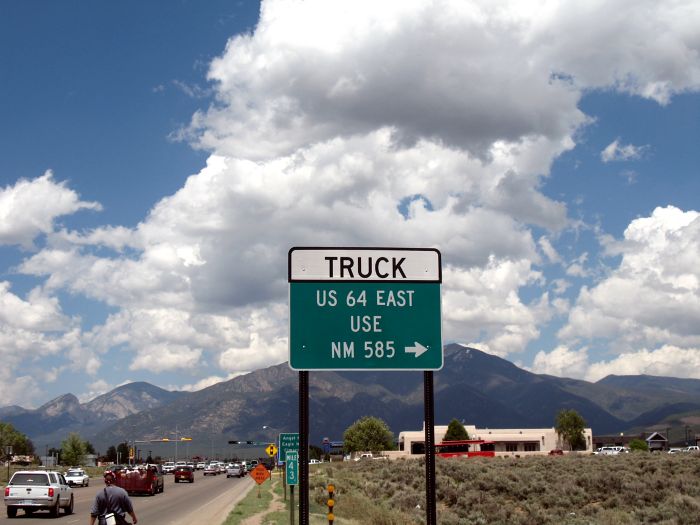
(55, 419)
(473, 386)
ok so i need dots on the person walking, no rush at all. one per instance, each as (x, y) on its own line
(112, 499)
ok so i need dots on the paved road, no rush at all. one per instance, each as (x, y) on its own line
(207, 501)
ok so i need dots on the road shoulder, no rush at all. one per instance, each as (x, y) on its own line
(217, 510)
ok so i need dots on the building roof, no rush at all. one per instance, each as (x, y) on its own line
(655, 436)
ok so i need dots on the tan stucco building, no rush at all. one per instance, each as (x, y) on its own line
(503, 441)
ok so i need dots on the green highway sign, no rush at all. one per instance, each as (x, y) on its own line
(291, 467)
(288, 441)
(365, 308)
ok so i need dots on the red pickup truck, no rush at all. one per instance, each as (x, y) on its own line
(140, 479)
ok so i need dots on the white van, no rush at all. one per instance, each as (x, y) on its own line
(611, 451)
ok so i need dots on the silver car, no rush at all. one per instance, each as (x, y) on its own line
(235, 469)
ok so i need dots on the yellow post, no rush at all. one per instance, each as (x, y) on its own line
(331, 503)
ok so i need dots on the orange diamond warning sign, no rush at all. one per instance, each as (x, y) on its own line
(260, 474)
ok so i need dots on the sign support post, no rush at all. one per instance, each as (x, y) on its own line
(428, 399)
(303, 448)
(291, 504)
(8, 453)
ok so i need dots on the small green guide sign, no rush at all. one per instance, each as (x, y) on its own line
(365, 308)
(291, 467)
(287, 441)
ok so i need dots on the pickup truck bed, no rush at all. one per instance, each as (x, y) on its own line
(38, 490)
(142, 479)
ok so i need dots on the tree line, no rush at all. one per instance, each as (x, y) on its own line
(366, 434)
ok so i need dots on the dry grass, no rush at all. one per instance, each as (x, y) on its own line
(626, 489)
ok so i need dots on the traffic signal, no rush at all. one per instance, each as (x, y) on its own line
(234, 442)
(331, 503)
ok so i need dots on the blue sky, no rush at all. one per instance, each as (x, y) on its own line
(157, 161)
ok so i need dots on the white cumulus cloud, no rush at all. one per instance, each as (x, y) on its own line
(653, 297)
(668, 360)
(30, 207)
(615, 151)
(409, 123)
(562, 362)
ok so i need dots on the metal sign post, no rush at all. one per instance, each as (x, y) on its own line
(428, 398)
(304, 448)
(8, 453)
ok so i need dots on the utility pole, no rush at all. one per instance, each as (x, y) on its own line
(8, 452)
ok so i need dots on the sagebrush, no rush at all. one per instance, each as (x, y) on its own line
(578, 489)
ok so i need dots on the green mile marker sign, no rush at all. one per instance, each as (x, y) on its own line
(291, 470)
(365, 309)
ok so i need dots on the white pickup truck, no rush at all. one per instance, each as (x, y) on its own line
(32, 490)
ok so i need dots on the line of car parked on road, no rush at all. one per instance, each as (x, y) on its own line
(231, 470)
(692, 448)
(615, 450)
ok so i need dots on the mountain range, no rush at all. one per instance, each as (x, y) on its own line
(53, 421)
(473, 386)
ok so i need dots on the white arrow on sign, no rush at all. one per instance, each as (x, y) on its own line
(417, 349)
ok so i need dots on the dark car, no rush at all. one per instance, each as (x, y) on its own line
(556, 452)
(184, 474)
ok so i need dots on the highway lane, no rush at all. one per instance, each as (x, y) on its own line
(207, 501)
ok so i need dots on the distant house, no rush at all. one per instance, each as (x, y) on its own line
(655, 440)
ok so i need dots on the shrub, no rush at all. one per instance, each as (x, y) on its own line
(623, 489)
